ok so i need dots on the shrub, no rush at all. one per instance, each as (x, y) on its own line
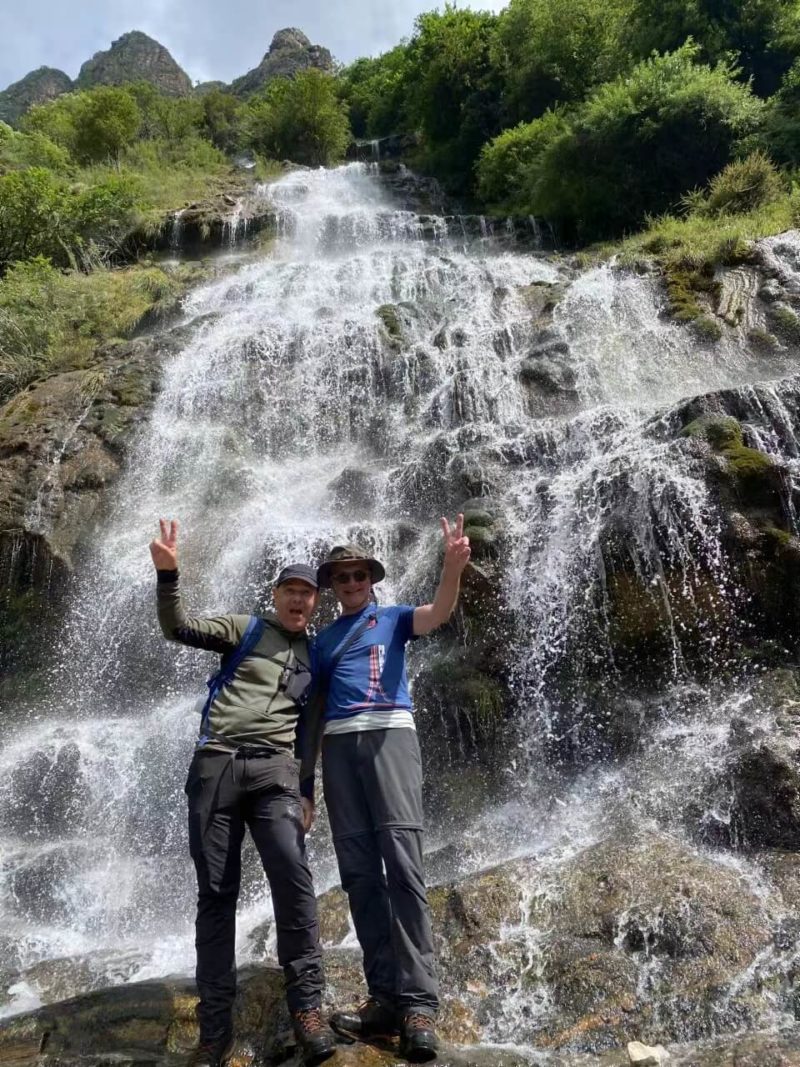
(301, 119)
(743, 186)
(30, 150)
(505, 162)
(638, 144)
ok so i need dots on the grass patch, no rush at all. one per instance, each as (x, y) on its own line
(697, 242)
(53, 321)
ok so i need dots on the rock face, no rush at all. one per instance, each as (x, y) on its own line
(135, 57)
(38, 87)
(290, 52)
(635, 939)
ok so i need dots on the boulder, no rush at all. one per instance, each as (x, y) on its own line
(135, 57)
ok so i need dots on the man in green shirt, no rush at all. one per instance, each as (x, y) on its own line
(244, 774)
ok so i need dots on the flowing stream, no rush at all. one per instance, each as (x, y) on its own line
(357, 381)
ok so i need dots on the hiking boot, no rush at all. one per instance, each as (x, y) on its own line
(315, 1040)
(213, 1051)
(418, 1041)
(370, 1019)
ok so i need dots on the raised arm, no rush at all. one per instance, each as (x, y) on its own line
(456, 556)
(219, 634)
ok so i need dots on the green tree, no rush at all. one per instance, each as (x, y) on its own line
(455, 90)
(505, 162)
(761, 36)
(222, 120)
(555, 51)
(780, 136)
(34, 216)
(302, 119)
(636, 146)
(376, 91)
(107, 120)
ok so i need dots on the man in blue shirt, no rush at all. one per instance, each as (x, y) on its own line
(372, 777)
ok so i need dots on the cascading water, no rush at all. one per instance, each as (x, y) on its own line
(357, 381)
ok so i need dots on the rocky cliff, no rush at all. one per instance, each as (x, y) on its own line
(38, 87)
(290, 52)
(135, 57)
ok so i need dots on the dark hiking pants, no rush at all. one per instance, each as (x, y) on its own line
(226, 794)
(373, 792)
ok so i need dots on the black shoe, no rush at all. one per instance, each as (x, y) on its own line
(418, 1040)
(315, 1040)
(370, 1019)
(213, 1051)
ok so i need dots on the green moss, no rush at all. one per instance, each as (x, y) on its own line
(762, 340)
(707, 328)
(721, 431)
(684, 286)
(747, 464)
(387, 313)
(480, 697)
(478, 517)
(786, 322)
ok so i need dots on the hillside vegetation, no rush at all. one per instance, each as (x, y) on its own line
(673, 126)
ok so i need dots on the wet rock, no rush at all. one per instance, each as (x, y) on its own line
(645, 1055)
(764, 778)
(646, 936)
(354, 488)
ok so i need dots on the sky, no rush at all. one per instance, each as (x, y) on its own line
(211, 39)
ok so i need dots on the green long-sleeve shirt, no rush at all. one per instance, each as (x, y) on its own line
(253, 709)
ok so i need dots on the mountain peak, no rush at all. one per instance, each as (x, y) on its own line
(37, 87)
(290, 52)
(135, 57)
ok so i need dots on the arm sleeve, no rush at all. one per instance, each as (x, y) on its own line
(404, 622)
(310, 727)
(221, 633)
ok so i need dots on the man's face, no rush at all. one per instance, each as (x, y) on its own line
(295, 602)
(352, 584)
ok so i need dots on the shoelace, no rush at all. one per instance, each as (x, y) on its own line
(310, 1019)
(418, 1021)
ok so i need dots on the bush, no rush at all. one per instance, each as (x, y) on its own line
(41, 215)
(301, 119)
(30, 150)
(638, 144)
(505, 162)
(743, 186)
(780, 136)
(107, 120)
(52, 321)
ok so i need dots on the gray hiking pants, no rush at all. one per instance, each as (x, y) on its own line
(373, 791)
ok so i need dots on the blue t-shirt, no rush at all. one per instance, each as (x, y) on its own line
(371, 675)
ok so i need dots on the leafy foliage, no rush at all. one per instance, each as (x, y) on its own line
(302, 119)
(42, 215)
(555, 51)
(636, 145)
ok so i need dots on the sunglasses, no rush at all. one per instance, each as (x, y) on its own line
(345, 577)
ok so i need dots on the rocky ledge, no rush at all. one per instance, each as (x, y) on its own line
(637, 937)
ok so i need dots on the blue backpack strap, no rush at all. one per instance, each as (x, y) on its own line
(224, 676)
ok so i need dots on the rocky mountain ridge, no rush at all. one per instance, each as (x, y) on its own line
(137, 57)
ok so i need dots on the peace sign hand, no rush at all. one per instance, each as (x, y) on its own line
(164, 549)
(456, 545)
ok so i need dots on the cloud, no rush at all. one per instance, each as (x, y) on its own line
(210, 39)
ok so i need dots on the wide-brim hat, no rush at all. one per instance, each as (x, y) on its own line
(349, 554)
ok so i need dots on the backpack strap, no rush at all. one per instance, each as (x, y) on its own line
(224, 676)
(350, 640)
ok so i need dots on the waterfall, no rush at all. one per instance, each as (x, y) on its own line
(357, 381)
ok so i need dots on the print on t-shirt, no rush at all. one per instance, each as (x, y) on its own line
(371, 674)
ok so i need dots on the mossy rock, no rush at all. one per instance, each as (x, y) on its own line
(785, 322)
(719, 430)
(389, 316)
